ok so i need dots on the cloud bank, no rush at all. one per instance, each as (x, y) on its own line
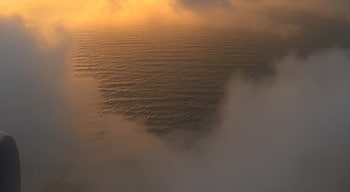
(289, 133)
(280, 16)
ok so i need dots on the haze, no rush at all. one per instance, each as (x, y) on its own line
(177, 95)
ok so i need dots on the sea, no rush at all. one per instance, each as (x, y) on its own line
(175, 77)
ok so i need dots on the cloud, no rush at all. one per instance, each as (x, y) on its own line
(32, 80)
(272, 16)
(288, 133)
(63, 142)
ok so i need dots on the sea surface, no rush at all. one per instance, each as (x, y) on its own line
(174, 78)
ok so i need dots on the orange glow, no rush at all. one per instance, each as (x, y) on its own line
(80, 13)
(252, 15)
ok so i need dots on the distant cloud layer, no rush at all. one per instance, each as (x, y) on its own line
(253, 14)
